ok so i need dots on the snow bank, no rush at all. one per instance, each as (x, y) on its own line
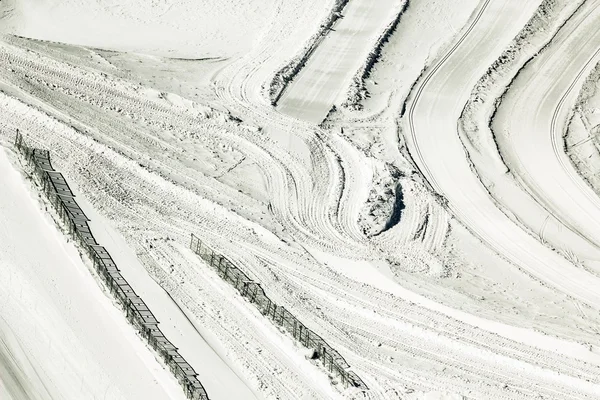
(357, 92)
(487, 93)
(581, 137)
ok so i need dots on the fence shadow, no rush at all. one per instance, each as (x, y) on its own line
(57, 191)
(251, 290)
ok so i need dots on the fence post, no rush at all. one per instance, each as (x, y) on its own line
(268, 310)
(237, 283)
(274, 311)
(295, 324)
(225, 269)
(255, 293)
(219, 265)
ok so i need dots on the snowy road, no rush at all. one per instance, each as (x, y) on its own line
(530, 139)
(331, 67)
(436, 148)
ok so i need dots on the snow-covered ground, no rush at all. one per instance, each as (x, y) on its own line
(409, 198)
(178, 29)
(62, 335)
(330, 67)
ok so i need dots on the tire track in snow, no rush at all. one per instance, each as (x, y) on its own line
(293, 285)
(174, 229)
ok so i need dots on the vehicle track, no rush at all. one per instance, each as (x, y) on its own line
(316, 201)
(178, 225)
(483, 217)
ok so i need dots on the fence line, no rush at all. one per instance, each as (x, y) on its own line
(57, 191)
(253, 291)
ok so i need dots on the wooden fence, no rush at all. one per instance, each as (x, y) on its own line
(251, 290)
(57, 191)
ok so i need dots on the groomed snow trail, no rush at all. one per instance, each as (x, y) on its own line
(159, 167)
(330, 69)
(436, 148)
(530, 139)
(79, 343)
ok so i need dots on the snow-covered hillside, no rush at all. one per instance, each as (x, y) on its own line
(416, 181)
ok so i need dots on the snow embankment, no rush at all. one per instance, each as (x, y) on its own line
(581, 137)
(486, 96)
(528, 128)
(497, 139)
(328, 72)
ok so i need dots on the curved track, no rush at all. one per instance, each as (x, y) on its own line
(533, 148)
(129, 163)
(436, 148)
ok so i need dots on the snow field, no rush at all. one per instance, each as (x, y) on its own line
(306, 209)
(181, 29)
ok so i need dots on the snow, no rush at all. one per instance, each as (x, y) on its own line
(485, 287)
(580, 140)
(549, 176)
(180, 29)
(218, 376)
(77, 341)
(452, 172)
(380, 278)
(335, 61)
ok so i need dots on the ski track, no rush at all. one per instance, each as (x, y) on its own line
(121, 144)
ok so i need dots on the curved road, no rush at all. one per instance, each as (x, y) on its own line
(533, 149)
(433, 141)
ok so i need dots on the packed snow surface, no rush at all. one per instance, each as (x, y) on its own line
(424, 195)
